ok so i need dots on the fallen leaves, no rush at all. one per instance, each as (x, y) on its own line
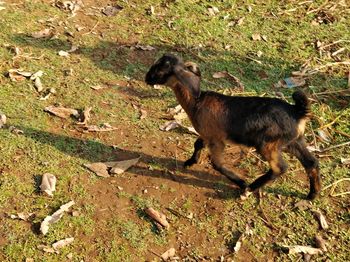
(105, 169)
(70, 6)
(143, 47)
(62, 112)
(169, 254)
(213, 10)
(225, 74)
(22, 216)
(55, 247)
(111, 10)
(302, 249)
(321, 219)
(3, 119)
(99, 168)
(49, 220)
(45, 33)
(62, 243)
(48, 184)
(105, 127)
(158, 217)
(17, 75)
(63, 53)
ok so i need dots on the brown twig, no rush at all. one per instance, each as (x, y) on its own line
(92, 29)
(342, 133)
(335, 146)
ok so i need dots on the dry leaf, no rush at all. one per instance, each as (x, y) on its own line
(48, 184)
(47, 249)
(98, 168)
(303, 204)
(240, 21)
(119, 167)
(105, 127)
(223, 74)
(344, 161)
(49, 220)
(36, 74)
(45, 33)
(158, 217)
(85, 116)
(62, 243)
(180, 116)
(320, 243)
(191, 129)
(2, 119)
(144, 47)
(256, 37)
(170, 125)
(111, 10)
(73, 49)
(63, 53)
(170, 253)
(143, 114)
(62, 111)
(303, 249)
(213, 10)
(98, 87)
(321, 219)
(38, 85)
(15, 130)
(324, 135)
(175, 110)
(18, 75)
(22, 216)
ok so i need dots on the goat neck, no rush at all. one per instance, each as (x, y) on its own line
(183, 95)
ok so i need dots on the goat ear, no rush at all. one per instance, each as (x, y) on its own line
(188, 79)
(193, 67)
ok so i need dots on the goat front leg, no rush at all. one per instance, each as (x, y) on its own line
(198, 146)
(278, 166)
(216, 150)
(310, 163)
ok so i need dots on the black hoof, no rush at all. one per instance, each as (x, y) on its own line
(188, 163)
(312, 196)
(242, 184)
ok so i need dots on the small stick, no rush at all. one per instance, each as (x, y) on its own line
(176, 213)
(336, 146)
(332, 92)
(341, 132)
(336, 182)
(341, 194)
(336, 42)
(257, 61)
(154, 253)
(316, 69)
(265, 218)
(333, 122)
(93, 28)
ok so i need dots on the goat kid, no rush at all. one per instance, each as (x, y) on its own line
(269, 125)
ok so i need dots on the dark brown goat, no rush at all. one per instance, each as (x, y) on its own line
(269, 125)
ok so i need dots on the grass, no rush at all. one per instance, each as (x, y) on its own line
(111, 225)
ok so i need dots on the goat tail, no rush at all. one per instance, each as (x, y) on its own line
(302, 103)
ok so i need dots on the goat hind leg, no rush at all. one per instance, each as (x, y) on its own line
(216, 151)
(310, 163)
(198, 146)
(277, 167)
